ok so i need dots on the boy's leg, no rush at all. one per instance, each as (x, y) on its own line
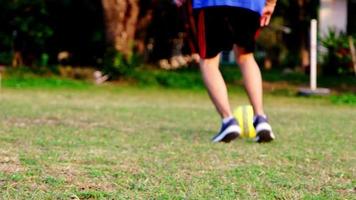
(253, 84)
(215, 85)
(252, 79)
(217, 90)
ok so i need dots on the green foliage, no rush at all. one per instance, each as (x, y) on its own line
(349, 99)
(29, 20)
(338, 58)
(172, 79)
(117, 65)
(24, 27)
(23, 71)
(44, 60)
(5, 57)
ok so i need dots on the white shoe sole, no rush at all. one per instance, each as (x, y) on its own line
(231, 129)
(264, 133)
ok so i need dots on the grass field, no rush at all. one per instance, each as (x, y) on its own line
(147, 143)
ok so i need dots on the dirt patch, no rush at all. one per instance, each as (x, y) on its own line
(51, 121)
(98, 186)
(9, 163)
(68, 172)
(24, 122)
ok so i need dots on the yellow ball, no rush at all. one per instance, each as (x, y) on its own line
(244, 115)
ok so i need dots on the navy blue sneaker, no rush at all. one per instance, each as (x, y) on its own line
(228, 132)
(263, 129)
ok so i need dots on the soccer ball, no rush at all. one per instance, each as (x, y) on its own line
(244, 115)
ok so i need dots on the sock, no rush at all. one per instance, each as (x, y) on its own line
(227, 119)
(255, 117)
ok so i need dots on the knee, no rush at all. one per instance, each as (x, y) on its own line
(210, 63)
(242, 59)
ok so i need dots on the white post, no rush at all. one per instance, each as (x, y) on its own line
(313, 54)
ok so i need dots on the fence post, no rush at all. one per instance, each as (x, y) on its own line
(313, 54)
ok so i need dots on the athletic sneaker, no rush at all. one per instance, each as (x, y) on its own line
(228, 131)
(263, 129)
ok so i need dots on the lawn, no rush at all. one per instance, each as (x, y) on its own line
(124, 142)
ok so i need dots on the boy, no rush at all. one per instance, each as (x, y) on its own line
(226, 24)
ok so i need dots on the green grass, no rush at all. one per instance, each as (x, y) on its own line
(120, 142)
(31, 82)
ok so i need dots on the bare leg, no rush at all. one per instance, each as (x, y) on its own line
(215, 85)
(252, 79)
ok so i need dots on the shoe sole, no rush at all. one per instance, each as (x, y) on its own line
(264, 136)
(230, 133)
(230, 137)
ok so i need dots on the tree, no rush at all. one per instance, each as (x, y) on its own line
(296, 14)
(24, 31)
(120, 21)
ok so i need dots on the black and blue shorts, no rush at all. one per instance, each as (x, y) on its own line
(219, 28)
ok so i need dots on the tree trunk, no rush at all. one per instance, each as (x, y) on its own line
(120, 20)
(17, 60)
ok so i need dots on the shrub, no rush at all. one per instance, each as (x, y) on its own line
(349, 99)
(337, 60)
(116, 64)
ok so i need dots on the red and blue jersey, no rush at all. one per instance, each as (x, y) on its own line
(254, 5)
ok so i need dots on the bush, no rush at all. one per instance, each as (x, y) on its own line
(349, 99)
(337, 60)
(181, 78)
(5, 58)
(116, 64)
(25, 28)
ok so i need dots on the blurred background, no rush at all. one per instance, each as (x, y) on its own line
(77, 39)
